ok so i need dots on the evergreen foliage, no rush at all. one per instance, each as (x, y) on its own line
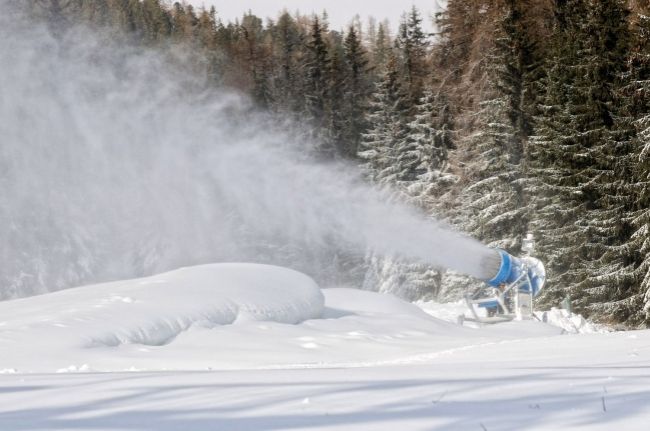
(412, 45)
(494, 196)
(387, 128)
(577, 151)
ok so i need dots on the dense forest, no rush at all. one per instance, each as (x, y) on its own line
(514, 117)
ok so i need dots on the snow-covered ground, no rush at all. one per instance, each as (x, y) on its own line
(254, 347)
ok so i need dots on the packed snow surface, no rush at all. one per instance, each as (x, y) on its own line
(255, 347)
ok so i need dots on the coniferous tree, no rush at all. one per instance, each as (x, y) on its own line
(396, 159)
(640, 240)
(431, 133)
(286, 82)
(632, 282)
(387, 128)
(355, 93)
(608, 144)
(412, 44)
(253, 52)
(552, 219)
(380, 49)
(335, 96)
(495, 197)
(316, 67)
(184, 22)
(574, 154)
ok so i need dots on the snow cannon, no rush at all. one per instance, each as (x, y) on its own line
(511, 284)
(527, 271)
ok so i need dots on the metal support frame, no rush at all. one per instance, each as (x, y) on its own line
(508, 300)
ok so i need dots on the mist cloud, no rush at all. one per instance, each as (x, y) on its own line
(116, 164)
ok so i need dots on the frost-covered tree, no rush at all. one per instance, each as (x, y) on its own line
(387, 128)
(404, 156)
(640, 241)
(424, 160)
(412, 44)
(316, 86)
(380, 49)
(494, 207)
(632, 282)
(575, 153)
(335, 115)
(355, 90)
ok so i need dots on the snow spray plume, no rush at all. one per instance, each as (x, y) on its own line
(113, 164)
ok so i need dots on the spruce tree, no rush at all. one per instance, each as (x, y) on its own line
(632, 282)
(286, 80)
(412, 44)
(355, 93)
(575, 152)
(381, 50)
(316, 67)
(398, 155)
(640, 240)
(493, 204)
(335, 102)
(387, 128)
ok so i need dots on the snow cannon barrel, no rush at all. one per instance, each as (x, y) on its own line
(504, 268)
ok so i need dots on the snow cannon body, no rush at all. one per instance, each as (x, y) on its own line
(528, 271)
(511, 286)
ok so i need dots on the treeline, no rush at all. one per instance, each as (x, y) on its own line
(516, 116)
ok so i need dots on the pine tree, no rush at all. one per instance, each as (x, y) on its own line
(633, 281)
(431, 134)
(399, 155)
(316, 67)
(422, 156)
(286, 82)
(355, 93)
(381, 50)
(493, 205)
(575, 153)
(387, 128)
(253, 53)
(335, 102)
(184, 22)
(412, 43)
(640, 240)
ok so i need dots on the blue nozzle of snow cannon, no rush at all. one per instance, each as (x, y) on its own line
(504, 270)
(512, 269)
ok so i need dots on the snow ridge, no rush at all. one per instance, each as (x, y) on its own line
(153, 311)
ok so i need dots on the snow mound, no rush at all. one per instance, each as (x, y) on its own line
(571, 322)
(223, 316)
(153, 311)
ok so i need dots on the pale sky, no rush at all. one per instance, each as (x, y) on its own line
(340, 12)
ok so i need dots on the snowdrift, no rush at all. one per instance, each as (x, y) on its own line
(153, 311)
(221, 316)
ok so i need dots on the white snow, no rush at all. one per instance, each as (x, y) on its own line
(115, 326)
(254, 347)
(569, 322)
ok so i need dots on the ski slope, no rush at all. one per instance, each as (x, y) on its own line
(256, 347)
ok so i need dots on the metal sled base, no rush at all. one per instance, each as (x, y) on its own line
(503, 304)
